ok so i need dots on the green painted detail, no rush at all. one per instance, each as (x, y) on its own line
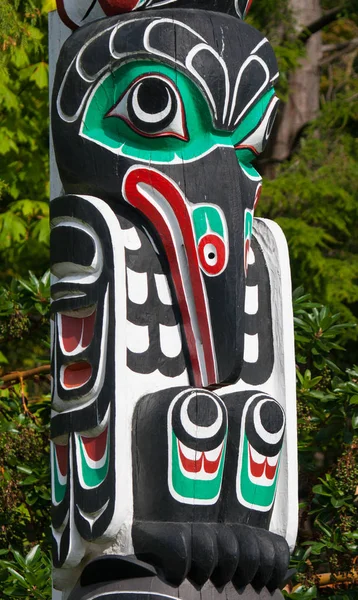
(116, 135)
(253, 117)
(252, 493)
(196, 489)
(59, 489)
(207, 217)
(248, 224)
(93, 477)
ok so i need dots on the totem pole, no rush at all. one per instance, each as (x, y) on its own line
(173, 416)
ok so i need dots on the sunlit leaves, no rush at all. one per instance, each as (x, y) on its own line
(23, 137)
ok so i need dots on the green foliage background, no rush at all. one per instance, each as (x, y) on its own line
(313, 198)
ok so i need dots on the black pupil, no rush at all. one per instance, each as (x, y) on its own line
(153, 96)
(211, 255)
(271, 417)
(202, 411)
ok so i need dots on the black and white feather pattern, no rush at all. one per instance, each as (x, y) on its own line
(152, 317)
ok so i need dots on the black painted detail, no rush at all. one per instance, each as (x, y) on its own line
(71, 245)
(145, 260)
(222, 541)
(222, 552)
(69, 297)
(259, 324)
(271, 418)
(152, 97)
(114, 568)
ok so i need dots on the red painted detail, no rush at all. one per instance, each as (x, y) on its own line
(64, 16)
(248, 6)
(189, 465)
(76, 331)
(258, 469)
(257, 195)
(173, 196)
(246, 255)
(71, 332)
(211, 466)
(95, 446)
(247, 147)
(117, 7)
(88, 329)
(62, 458)
(220, 251)
(77, 374)
(195, 466)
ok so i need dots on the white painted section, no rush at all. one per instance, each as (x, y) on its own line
(170, 340)
(251, 348)
(137, 286)
(131, 239)
(284, 519)
(163, 290)
(77, 9)
(251, 299)
(58, 33)
(138, 337)
(282, 383)
(251, 257)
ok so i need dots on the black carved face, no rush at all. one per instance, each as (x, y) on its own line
(149, 111)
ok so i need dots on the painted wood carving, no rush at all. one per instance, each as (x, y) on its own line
(173, 424)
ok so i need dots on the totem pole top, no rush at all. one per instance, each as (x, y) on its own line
(75, 13)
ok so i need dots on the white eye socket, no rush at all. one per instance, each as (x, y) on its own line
(152, 106)
(210, 254)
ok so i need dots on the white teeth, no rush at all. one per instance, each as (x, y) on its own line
(213, 454)
(272, 460)
(210, 455)
(256, 456)
(189, 452)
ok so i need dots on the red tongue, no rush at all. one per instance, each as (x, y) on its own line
(75, 329)
(62, 458)
(77, 374)
(95, 446)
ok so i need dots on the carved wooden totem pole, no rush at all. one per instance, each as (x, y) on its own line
(173, 423)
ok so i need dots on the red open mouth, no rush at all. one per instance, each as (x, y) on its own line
(62, 458)
(95, 447)
(77, 374)
(76, 333)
